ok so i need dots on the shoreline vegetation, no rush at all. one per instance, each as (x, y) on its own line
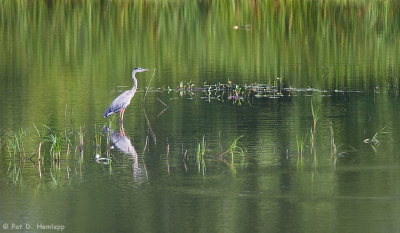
(306, 43)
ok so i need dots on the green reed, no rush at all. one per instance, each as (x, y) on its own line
(16, 150)
(300, 142)
(376, 139)
(315, 115)
(233, 147)
(15, 171)
(15, 144)
(41, 137)
(333, 145)
(109, 126)
(55, 140)
(97, 137)
(200, 160)
(313, 132)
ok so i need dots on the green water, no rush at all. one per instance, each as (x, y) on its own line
(63, 62)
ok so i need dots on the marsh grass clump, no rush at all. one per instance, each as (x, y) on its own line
(55, 140)
(376, 139)
(97, 137)
(15, 144)
(233, 149)
(81, 135)
(15, 171)
(16, 151)
(300, 142)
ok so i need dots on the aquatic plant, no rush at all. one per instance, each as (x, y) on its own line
(108, 132)
(81, 134)
(315, 114)
(97, 138)
(233, 148)
(15, 171)
(375, 140)
(15, 144)
(201, 150)
(41, 137)
(333, 145)
(300, 142)
(55, 149)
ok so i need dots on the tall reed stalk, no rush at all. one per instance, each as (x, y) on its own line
(201, 150)
(333, 145)
(315, 114)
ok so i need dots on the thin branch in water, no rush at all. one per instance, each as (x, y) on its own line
(165, 109)
(147, 88)
(167, 149)
(68, 151)
(34, 152)
(149, 127)
(184, 163)
(162, 102)
(144, 109)
(145, 146)
(40, 169)
(167, 157)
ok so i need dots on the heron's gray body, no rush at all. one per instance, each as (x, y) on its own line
(122, 101)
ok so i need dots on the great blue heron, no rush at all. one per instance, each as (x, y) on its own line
(122, 101)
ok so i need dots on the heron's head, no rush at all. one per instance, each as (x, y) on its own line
(137, 69)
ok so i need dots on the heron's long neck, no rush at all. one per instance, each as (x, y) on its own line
(134, 83)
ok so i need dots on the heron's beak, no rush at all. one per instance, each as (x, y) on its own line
(145, 69)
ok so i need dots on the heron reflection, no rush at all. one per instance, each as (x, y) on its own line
(121, 141)
(124, 145)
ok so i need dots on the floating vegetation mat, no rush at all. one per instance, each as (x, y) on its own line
(256, 91)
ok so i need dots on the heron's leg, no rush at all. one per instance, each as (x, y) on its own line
(122, 130)
(123, 111)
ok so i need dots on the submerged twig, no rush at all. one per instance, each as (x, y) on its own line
(184, 163)
(144, 109)
(162, 102)
(149, 127)
(165, 109)
(144, 164)
(167, 157)
(147, 88)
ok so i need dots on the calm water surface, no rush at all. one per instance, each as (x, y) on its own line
(62, 64)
